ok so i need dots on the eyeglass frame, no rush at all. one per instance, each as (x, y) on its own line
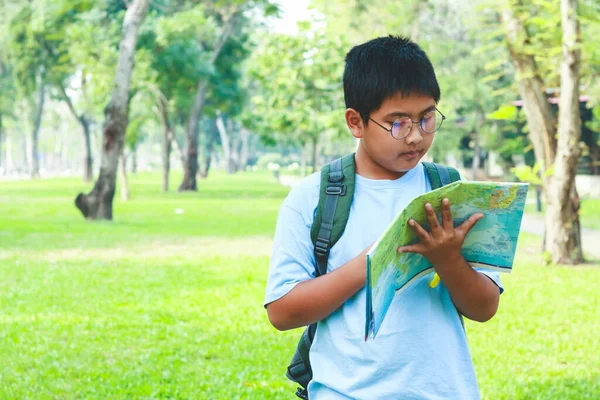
(420, 122)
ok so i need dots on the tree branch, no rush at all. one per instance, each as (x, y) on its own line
(69, 101)
(225, 33)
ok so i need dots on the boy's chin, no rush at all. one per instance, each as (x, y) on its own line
(405, 166)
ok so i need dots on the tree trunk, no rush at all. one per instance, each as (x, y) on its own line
(166, 141)
(476, 153)
(124, 183)
(168, 137)
(166, 157)
(479, 124)
(234, 163)
(9, 162)
(303, 159)
(209, 151)
(415, 20)
(315, 155)
(177, 146)
(134, 159)
(564, 235)
(224, 141)
(34, 166)
(98, 203)
(207, 161)
(191, 164)
(26, 147)
(88, 161)
(245, 134)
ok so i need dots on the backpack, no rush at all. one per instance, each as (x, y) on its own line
(335, 198)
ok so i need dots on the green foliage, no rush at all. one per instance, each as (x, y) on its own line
(38, 46)
(176, 59)
(528, 174)
(227, 90)
(594, 124)
(288, 88)
(298, 95)
(504, 113)
(134, 132)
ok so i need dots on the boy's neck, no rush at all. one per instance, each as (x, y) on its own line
(368, 168)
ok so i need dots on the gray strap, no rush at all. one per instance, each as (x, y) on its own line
(444, 174)
(335, 188)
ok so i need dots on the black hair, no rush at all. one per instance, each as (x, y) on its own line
(382, 67)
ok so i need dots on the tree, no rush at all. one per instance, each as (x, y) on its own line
(98, 203)
(565, 236)
(6, 90)
(91, 41)
(31, 63)
(299, 97)
(229, 16)
(190, 170)
(46, 40)
(557, 158)
(227, 96)
(84, 121)
(177, 63)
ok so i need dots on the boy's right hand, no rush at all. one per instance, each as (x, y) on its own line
(444, 243)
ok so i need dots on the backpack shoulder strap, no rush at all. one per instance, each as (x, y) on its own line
(440, 175)
(333, 210)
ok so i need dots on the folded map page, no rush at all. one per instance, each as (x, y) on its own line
(491, 244)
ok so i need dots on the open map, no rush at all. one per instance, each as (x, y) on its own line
(490, 244)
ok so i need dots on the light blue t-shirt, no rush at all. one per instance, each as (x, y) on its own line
(421, 350)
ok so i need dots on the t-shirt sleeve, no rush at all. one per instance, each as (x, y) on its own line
(292, 259)
(494, 276)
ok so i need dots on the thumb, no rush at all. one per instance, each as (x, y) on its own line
(466, 226)
(415, 248)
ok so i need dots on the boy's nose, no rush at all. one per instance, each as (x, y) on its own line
(415, 135)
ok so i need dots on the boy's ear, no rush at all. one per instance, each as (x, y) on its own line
(355, 123)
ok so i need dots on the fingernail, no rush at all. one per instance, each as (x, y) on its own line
(411, 222)
(399, 250)
(446, 202)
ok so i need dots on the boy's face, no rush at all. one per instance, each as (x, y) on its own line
(382, 155)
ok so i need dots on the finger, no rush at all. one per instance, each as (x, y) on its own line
(415, 248)
(434, 224)
(419, 230)
(447, 216)
(466, 226)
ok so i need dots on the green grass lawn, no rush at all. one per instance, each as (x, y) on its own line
(166, 301)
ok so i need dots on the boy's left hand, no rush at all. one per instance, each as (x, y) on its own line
(442, 245)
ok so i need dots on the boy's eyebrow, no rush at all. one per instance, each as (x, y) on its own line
(403, 114)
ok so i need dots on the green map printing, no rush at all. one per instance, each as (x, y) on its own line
(490, 244)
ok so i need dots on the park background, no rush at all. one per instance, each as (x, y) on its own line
(183, 157)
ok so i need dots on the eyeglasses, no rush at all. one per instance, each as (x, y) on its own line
(429, 123)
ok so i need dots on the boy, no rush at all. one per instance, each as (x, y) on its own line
(421, 349)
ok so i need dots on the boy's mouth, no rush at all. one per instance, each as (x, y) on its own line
(410, 154)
